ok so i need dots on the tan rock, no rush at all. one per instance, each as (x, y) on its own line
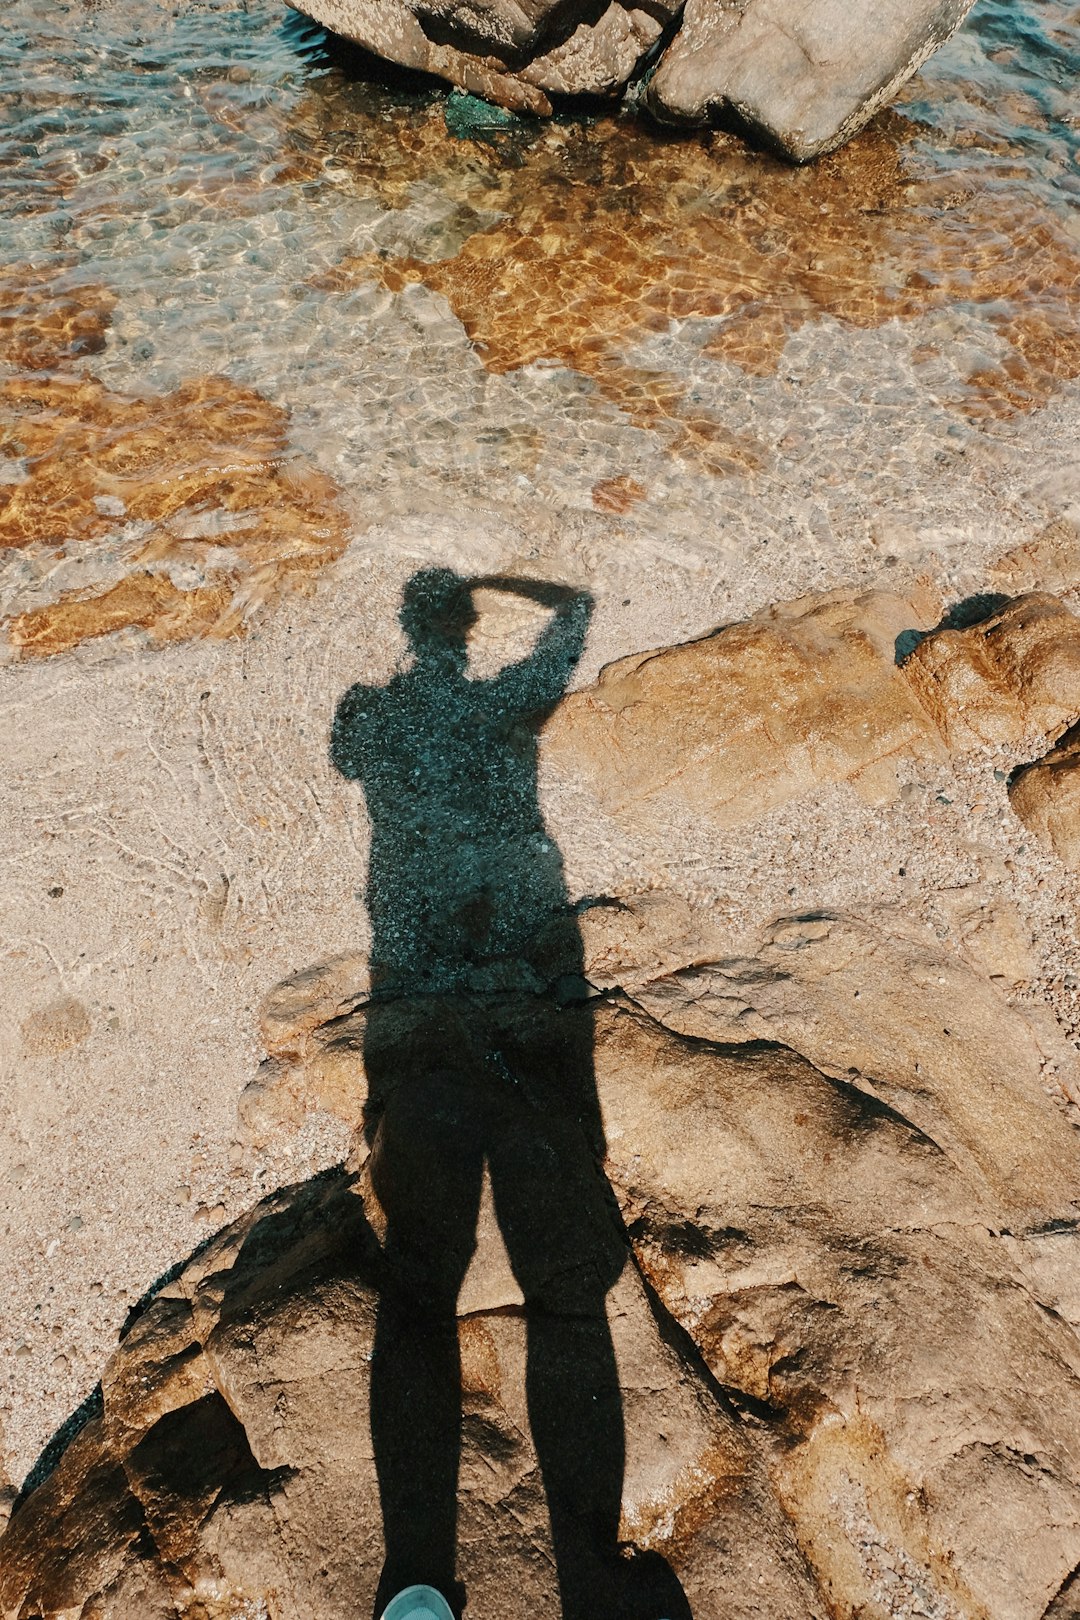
(808, 693)
(1046, 797)
(840, 1272)
(310, 998)
(1012, 674)
(993, 935)
(599, 57)
(824, 1231)
(390, 29)
(230, 1471)
(629, 941)
(842, 1177)
(929, 1036)
(755, 714)
(803, 75)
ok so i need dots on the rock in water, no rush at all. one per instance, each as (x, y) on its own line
(506, 54)
(801, 75)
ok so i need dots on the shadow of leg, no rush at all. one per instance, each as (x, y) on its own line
(555, 1210)
(575, 1411)
(426, 1170)
(416, 1434)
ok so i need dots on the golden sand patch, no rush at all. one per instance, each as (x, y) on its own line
(44, 324)
(201, 479)
(611, 230)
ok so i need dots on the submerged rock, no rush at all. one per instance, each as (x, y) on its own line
(802, 78)
(471, 119)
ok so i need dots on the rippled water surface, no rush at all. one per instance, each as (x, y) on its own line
(250, 297)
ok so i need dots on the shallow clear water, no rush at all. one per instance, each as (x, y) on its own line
(592, 315)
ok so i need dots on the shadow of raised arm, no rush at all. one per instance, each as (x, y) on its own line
(534, 684)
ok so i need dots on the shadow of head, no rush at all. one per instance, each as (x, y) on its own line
(437, 612)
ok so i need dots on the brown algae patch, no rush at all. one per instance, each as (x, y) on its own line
(610, 230)
(200, 482)
(618, 495)
(44, 323)
(149, 602)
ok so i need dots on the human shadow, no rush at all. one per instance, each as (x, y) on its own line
(478, 1048)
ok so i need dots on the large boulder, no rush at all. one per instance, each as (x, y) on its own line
(801, 75)
(755, 715)
(830, 688)
(225, 1469)
(845, 1329)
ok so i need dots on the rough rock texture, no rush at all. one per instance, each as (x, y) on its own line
(802, 78)
(507, 53)
(764, 713)
(1049, 562)
(811, 693)
(803, 75)
(1046, 797)
(1013, 672)
(229, 1471)
(599, 57)
(846, 1324)
(390, 29)
(845, 1180)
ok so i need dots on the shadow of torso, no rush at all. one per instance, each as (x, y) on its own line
(466, 893)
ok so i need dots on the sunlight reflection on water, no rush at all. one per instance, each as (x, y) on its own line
(548, 315)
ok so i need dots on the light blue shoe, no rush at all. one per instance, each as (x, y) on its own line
(418, 1603)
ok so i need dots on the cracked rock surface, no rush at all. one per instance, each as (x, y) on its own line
(849, 1309)
(803, 77)
(845, 1161)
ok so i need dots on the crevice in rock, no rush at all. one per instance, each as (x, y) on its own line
(677, 1338)
(1065, 1603)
